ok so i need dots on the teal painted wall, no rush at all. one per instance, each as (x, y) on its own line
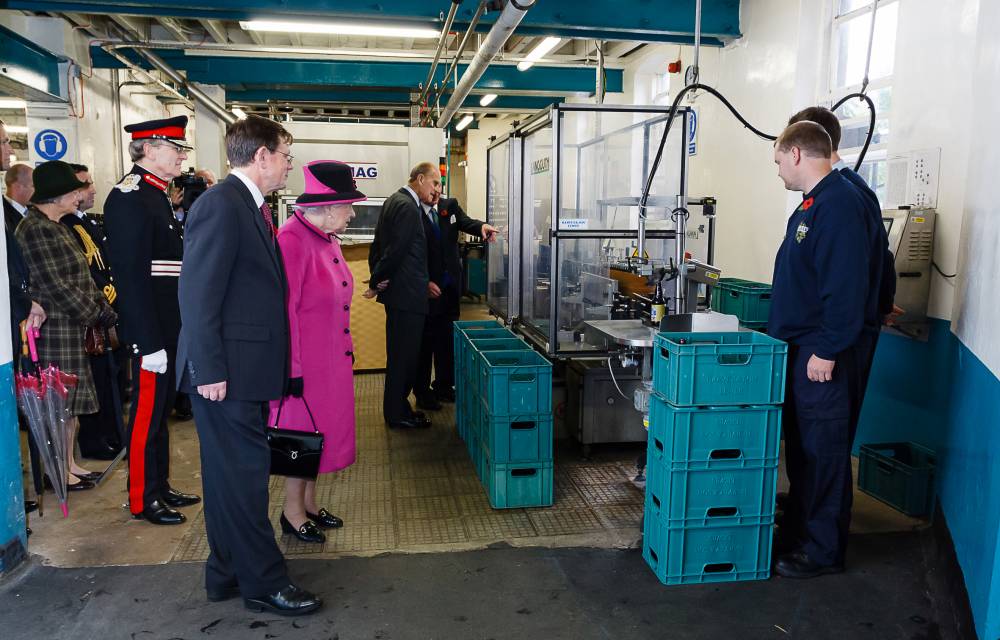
(12, 520)
(940, 394)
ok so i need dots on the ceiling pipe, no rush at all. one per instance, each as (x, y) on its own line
(502, 30)
(480, 10)
(437, 53)
(194, 92)
(137, 69)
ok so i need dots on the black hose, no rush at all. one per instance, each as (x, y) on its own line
(691, 87)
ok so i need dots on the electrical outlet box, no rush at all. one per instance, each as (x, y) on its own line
(924, 168)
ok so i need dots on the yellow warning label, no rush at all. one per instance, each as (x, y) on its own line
(918, 220)
(713, 276)
(645, 254)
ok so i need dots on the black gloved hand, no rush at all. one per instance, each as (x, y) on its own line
(107, 318)
(294, 387)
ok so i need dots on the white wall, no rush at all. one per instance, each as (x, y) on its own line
(477, 142)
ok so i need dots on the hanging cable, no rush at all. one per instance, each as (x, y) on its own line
(612, 372)
(943, 274)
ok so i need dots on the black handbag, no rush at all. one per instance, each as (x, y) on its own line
(294, 453)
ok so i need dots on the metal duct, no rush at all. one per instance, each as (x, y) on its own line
(502, 30)
(437, 54)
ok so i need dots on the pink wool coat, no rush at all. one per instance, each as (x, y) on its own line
(320, 287)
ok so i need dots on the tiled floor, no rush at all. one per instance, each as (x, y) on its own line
(417, 490)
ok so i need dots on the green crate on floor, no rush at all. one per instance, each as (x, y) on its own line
(714, 437)
(461, 358)
(719, 369)
(473, 359)
(458, 329)
(523, 438)
(518, 484)
(711, 498)
(515, 382)
(900, 474)
(696, 555)
(747, 300)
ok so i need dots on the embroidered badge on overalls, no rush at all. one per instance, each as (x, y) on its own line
(800, 233)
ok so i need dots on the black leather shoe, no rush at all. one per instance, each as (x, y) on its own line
(290, 601)
(798, 564)
(174, 498)
(102, 452)
(221, 594)
(429, 403)
(325, 519)
(159, 513)
(82, 485)
(92, 475)
(410, 423)
(30, 506)
(306, 533)
(446, 395)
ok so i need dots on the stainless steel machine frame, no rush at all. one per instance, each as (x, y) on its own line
(560, 230)
(503, 211)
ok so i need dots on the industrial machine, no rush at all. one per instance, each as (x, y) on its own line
(577, 262)
(911, 241)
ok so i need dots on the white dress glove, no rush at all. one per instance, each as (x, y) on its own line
(155, 362)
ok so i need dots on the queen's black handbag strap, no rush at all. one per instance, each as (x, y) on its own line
(277, 418)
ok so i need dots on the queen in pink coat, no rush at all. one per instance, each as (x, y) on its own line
(320, 288)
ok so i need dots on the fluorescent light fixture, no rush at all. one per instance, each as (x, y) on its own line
(12, 103)
(536, 54)
(340, 28)
(487, 100)
(239, 113)
(11, 128)
(466, 121)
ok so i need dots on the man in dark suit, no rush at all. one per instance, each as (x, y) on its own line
(442, 224)
(398, 263)
(233, 359)
(22, 307)
(20, 187)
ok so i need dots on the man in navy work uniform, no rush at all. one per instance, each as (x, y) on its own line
(825, 306)
(145, 246)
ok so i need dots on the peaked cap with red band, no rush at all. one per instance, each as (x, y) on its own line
(169, 129)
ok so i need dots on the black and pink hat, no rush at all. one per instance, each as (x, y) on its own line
(329, 182)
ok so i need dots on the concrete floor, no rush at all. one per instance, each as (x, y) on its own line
(428, 558)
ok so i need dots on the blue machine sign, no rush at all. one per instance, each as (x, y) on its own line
(692, 140)
(50, 144)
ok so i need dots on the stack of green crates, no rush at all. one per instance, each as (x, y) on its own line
(747, 300)
(504, 414)
(712, 458)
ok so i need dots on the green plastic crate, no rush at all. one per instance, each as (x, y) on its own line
(714, 437)
(516, 439)
(515, 383)
(900, 474)
(718, 497)
(473, 356)
(747, 300)
(467, 336)
(719, 368)
(517, 484)
(695, 555)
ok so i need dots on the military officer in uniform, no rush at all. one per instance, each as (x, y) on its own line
(145, 246)
(99, 436)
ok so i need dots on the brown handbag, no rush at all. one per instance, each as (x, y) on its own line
(97, 340)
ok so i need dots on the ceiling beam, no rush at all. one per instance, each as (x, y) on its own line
(175, 28)
(131, 24)
(216, 30)
(642, 20)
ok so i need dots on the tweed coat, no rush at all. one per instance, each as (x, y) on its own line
(61, 283)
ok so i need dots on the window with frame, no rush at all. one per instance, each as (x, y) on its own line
(849, 34)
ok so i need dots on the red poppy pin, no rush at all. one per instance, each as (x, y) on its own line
(808, 202)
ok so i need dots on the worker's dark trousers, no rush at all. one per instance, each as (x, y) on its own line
(437, 350)
(819, 422)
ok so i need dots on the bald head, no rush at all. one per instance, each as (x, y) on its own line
(20, 188)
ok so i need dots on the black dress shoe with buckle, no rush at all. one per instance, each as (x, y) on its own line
(174, 498)
(325, 519)
(306, 533)
(798, 564)
(90, 475)
(159, 513)
(221, 594)
(289, 601)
